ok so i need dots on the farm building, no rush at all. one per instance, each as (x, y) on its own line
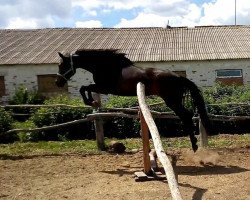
(203, 54)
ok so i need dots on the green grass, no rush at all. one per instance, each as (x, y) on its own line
(89, 146)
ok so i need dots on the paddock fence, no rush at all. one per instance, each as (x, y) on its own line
(108, 113)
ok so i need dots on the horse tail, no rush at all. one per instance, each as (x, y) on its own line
(198, 102)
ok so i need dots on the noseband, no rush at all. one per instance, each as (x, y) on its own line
(71, 70)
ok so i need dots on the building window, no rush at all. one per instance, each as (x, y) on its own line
(228, 73)
(229, 76)
(2, 86)
(47, 86)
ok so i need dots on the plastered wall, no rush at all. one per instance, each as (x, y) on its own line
(202, 73)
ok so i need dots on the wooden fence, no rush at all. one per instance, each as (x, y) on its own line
(105, 113)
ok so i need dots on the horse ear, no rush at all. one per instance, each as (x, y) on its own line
(75, 55)
(61, 55)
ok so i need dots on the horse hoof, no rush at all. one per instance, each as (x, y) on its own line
(95, 104)
(195, 147)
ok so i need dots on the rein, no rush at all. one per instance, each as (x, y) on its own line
(71, 70)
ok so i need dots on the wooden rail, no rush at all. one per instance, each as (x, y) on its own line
(173, 185)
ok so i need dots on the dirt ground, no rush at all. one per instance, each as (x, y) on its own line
(110, 176)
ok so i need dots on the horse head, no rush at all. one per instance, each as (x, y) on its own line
(66, 69)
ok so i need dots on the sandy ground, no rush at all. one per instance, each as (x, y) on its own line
(110, 176)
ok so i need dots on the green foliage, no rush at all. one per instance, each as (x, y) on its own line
(47, 116)
(121, 127)
(124, 127)
(220, 99)
(121, 102)
(26, 136)
(227, 94)
(128, 102)
(222, 96)
(5, 125)
(23, 96)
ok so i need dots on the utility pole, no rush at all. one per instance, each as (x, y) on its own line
(235, 13)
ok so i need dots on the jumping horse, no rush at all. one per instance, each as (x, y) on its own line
(114, 73)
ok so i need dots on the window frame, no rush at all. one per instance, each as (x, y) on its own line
(227, 70)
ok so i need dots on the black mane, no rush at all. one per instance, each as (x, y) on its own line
(111, 56)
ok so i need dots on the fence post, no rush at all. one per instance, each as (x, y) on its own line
(98, 124)
(145, 143)
(203, 135)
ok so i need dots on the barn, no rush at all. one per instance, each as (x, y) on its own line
(204, 54)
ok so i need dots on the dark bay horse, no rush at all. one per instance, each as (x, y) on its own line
(114, 73)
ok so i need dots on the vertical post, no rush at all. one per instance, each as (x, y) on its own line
(145, 143)
(235, 13)
(203, 135)
(98, 123)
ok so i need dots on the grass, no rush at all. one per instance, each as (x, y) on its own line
(89, 146)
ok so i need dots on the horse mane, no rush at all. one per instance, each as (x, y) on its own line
(112, 56)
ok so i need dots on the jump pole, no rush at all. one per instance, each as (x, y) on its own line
(173, 185)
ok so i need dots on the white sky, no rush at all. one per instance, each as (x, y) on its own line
(21, 14)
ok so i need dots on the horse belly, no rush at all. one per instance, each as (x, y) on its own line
(129, 88)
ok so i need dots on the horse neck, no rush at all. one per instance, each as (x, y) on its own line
(86, 64)
(102, 62)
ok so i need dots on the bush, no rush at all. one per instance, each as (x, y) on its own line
(26, 136)
(5, 125)
(121, 127)
(221, 95)
(128, 102)
(23, 96)
(47, 116)
(126, 127)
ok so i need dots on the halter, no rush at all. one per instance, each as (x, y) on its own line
(71, 70)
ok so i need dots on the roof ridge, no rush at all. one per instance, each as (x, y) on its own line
(132, 28)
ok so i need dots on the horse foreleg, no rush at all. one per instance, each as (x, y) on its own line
(87, 100)
(94, 102)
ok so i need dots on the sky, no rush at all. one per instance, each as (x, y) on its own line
(32, 14)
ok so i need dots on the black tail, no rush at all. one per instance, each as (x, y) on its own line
(199, 103)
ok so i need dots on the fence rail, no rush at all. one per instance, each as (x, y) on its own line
(133, 111)
(106, 113)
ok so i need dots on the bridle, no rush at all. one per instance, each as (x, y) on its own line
(71, 70)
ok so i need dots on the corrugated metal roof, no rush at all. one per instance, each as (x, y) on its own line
(140, 44)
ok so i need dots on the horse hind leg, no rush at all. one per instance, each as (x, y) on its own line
(186, 118)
